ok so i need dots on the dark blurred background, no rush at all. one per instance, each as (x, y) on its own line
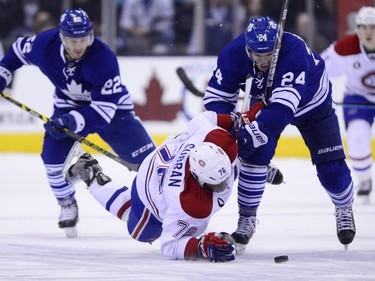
(180, 27)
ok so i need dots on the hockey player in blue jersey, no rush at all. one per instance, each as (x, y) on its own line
(301, 96)
(89, 97)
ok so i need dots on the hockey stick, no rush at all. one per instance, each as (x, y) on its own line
(354, 105)
(181, 73)
(246, 98)
(130, 166)
(187, 82)
(276, 51)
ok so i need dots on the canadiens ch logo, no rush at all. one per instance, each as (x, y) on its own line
(369, 80)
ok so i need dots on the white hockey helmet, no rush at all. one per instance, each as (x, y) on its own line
(365, 22)
(211, 166)
(365, 16)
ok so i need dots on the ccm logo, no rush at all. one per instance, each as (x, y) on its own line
(142, 149)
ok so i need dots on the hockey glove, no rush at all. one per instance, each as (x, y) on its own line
(245, 118)
(251, 114)
(250, 137)
(5, 77)
(216, 247)
(56, 126)
(236, 123)
(274, 175)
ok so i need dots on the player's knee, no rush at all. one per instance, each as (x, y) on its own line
(334, 176)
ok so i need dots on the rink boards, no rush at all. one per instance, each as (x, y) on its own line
(152, 82)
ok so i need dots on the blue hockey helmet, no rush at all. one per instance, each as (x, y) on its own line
(75, 23)
(260, 34)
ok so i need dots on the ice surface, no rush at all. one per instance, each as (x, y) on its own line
(295, 219)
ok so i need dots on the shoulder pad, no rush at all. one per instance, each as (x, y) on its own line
(194, 200)
(348, 45)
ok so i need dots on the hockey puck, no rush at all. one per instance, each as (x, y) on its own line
(280, 259)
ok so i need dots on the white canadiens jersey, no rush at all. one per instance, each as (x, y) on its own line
(348, 57)
(168, 189)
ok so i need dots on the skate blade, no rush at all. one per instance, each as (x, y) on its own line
(346, 247)
(240, 248)
(75, 152)
(70, 232)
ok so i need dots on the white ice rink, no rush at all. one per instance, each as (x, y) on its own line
(295, 219)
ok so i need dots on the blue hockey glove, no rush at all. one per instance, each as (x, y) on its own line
(5, 77)
(250, 137)
(216, 247)
(56, 126)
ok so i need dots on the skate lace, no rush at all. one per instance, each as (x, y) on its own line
(246, 225)
(68, 212)
(344, 219)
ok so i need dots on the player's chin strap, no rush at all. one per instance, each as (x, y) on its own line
(130, 166)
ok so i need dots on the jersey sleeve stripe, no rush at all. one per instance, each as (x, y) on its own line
(286, 96)
(148, 187)
(214, 95)
(63, 103)
(105, 109)
(17, 48)
(319, 97)
(126, 103)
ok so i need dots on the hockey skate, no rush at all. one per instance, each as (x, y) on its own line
(68, 216)
(364, 190)
(245, 229)
(274, 175)
(345, 225)
(86, 169)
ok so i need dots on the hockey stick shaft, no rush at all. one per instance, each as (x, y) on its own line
(189, 84)
(355, 105)
(276, 51)
(133, 167)
(246, 98)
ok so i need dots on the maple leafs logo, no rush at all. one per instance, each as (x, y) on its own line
(74, 91)
(154, 109)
